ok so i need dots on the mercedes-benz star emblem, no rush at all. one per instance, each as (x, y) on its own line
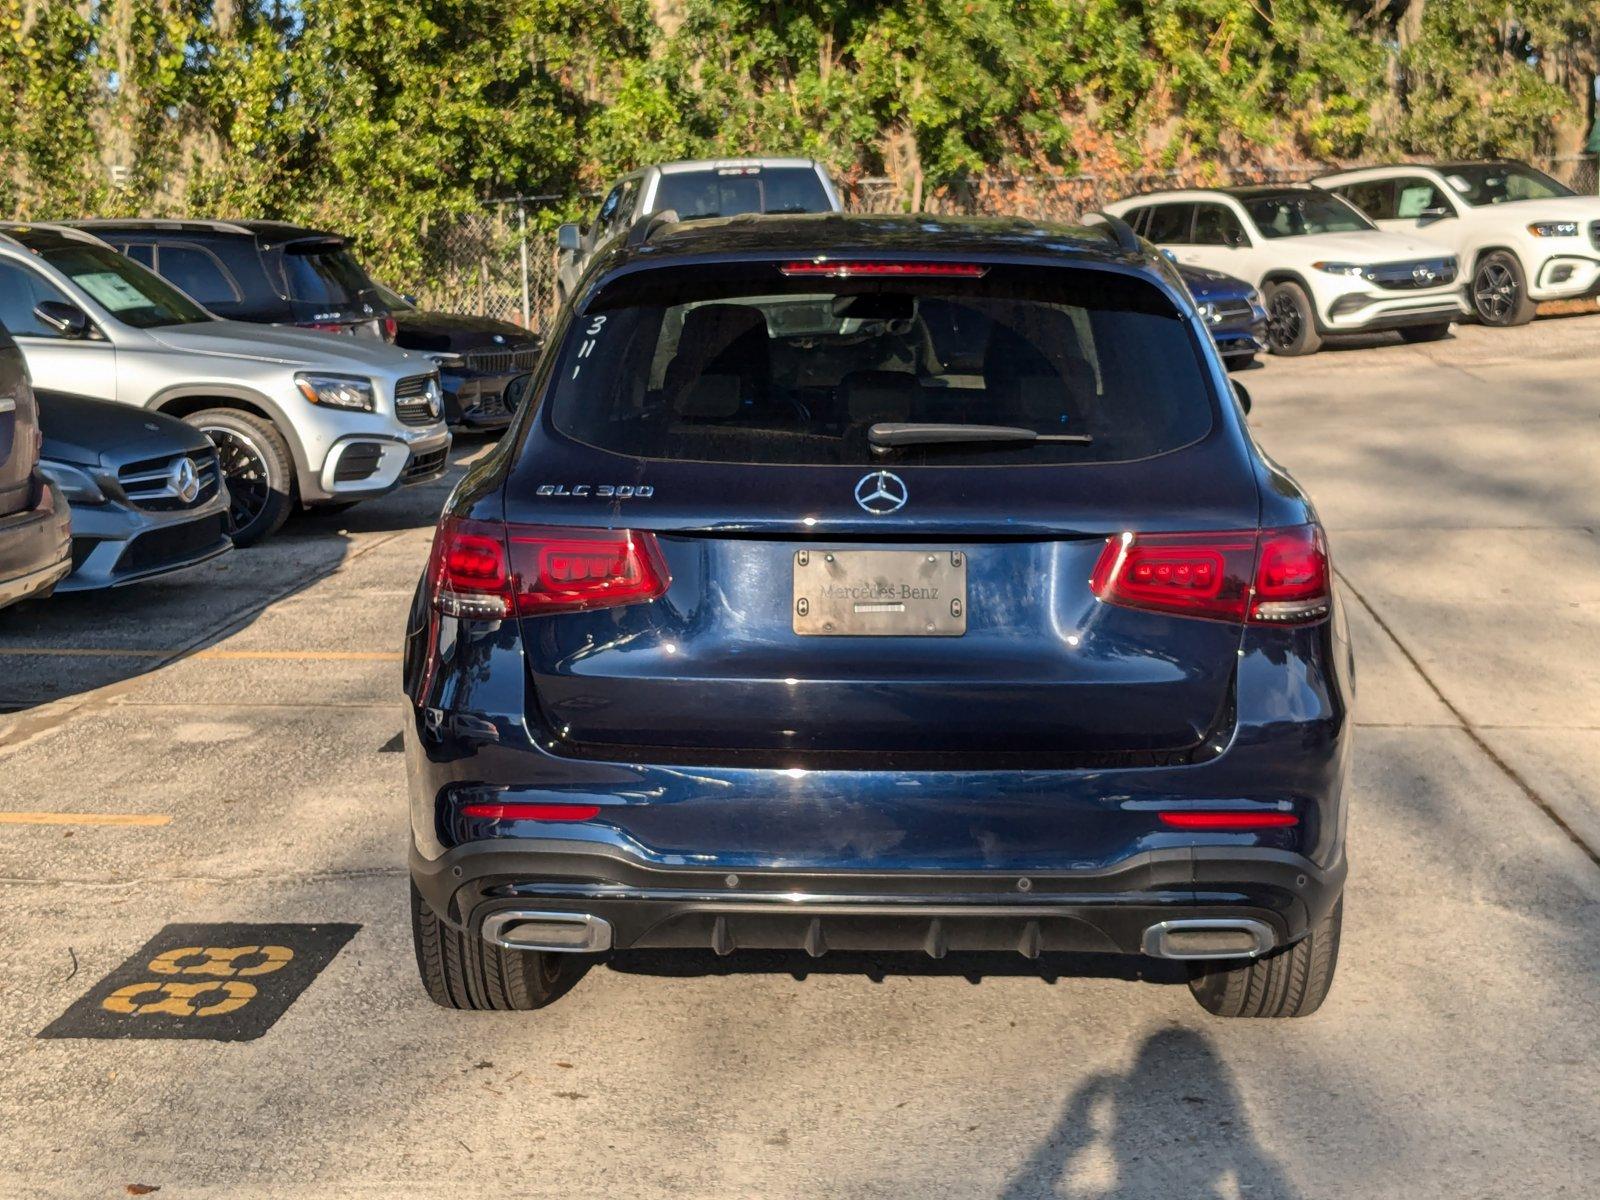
(184, 480)
(881, 493)
(435, 399)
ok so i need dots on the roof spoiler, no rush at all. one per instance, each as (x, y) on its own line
(641, 229)
(1121, 232)
(316, 244)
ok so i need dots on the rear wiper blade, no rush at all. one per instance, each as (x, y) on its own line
(886, 434)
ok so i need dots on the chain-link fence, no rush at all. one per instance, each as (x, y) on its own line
(498, 263)
(491, 263)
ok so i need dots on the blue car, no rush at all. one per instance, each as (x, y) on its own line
(878, 584)
(1232, 311)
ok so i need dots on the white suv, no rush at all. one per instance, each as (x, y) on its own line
(1522, 236)
(1320, 265)
(297, 416)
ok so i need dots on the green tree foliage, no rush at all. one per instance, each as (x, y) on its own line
(381, 116)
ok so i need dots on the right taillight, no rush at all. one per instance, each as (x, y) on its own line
(490, 571)
(1270, 576)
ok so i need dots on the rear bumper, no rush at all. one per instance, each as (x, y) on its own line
(636, 904)
(35, 548)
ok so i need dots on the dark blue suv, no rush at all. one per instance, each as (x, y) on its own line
(868, 583)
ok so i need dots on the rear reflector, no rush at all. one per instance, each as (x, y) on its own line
(532, 812)
(847, 269)
(489, 571)
(1270, 576)
(1229, 820)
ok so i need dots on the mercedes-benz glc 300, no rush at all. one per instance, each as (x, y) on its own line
(878, 584)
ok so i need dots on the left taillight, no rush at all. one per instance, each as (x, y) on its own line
(1267, 576)
(489, 571)
(391, 328)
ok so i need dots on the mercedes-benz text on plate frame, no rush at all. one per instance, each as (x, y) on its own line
(881, 493)
(880, 593)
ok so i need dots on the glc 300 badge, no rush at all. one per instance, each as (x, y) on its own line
(601, 491)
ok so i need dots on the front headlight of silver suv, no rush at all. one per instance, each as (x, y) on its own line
(1554, 229)
(1341, 268)
(336, 391)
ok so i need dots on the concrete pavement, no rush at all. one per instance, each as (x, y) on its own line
(251, 705)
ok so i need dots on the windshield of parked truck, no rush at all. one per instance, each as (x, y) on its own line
(129, 292)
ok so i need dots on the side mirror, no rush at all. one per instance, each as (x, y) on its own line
(1233, 237)
(1429, 215)
(66, 319)
(1242, 393)
(569, 237)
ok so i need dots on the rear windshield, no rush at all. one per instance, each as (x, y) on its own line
(729, 191)
(754, 367)
(328, 278)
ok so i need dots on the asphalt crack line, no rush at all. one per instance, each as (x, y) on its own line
(1471, 730)
(36, 723)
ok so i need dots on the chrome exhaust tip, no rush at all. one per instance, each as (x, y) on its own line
(1194, 938)
(555, 932)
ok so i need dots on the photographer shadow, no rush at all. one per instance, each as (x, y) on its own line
(1170, 1125)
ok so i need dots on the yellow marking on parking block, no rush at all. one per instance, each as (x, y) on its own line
(178, 999)
(220, 960)
(65, 818)
(286, 655)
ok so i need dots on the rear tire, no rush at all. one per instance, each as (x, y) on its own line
(1414, 334)
(257, 466)
(1500, 291)
(464, 972)
(1291, 320)
(1291, 982)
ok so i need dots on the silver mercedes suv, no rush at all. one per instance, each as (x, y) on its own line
(298, 417)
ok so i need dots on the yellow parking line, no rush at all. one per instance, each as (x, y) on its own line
(61, 818)
(286, 655)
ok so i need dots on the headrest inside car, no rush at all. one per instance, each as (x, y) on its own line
(708, 398)
(878, 395)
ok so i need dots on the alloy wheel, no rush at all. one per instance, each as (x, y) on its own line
(1285, 323)
(245, 469)
(1494, 292)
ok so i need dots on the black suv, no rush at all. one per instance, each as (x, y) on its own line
(266, 271)
(483, 363)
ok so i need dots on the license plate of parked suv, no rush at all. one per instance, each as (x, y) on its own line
(880, 593)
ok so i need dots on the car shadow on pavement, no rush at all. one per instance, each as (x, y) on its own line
(1170, 1125)
(973, 967)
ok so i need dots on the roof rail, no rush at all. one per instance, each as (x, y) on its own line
(1121, 232)
(640, 233)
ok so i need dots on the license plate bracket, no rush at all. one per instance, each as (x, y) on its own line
(880, 593)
